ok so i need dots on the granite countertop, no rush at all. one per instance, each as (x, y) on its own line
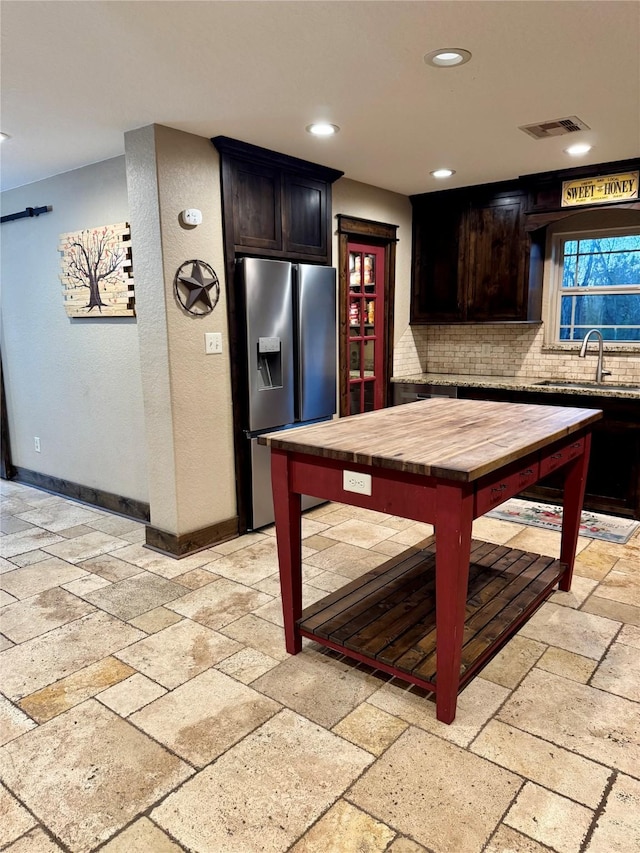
(520, 383)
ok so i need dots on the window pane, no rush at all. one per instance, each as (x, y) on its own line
(607, 261)
(567, 306)
(371, 316)
(369, 349)
(571, 247)
(355, 262)
(369, 271)
(355, 359)
(616, 315)
(355, 315)
(624, 243)
(569, 272)
(369, 388)
(354, 398)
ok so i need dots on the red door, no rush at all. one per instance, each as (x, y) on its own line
(365, 326)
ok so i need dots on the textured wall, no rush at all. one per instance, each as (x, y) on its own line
(355, 199)
(73, 383)
(187, 394)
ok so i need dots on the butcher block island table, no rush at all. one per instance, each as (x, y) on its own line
(438, 612)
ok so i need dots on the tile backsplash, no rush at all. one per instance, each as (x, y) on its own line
(502, 350)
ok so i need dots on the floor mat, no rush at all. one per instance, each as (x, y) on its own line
(592, 524)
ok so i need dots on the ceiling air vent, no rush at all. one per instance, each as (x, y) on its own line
(556, 127)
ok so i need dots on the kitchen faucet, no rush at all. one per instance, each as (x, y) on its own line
(600, 371)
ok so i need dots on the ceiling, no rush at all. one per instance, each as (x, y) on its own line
(77, 75)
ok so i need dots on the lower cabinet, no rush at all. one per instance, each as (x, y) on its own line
(613, 482)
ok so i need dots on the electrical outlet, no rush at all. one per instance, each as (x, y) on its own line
(36, 443)
(212, 342)
(358, 483)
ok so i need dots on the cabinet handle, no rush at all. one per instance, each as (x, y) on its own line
(526, 473)
(499, 488)
(577, 444)
(556, 455)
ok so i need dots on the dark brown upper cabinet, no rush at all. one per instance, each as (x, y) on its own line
(497, 257)
(306, 215)
(439, 222)
(275, 205)
(471, 257)
(478, 252)
(256, 210)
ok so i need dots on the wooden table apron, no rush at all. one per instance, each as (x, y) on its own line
(450, 505)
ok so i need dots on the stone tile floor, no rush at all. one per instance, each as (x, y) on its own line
(147, 704)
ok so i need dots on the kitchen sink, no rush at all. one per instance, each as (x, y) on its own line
(587, 386)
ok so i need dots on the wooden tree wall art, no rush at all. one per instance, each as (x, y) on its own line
(97, 277)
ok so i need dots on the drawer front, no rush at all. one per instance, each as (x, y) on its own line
(493, 494)
(392, 492)
(561, 455)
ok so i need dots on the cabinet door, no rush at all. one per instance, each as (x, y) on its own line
(496, 260)
(437, 287)
(366, 338)
(613, 479)
(305, 216)
(257, 219)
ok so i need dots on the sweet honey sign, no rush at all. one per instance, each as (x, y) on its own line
(606, 188)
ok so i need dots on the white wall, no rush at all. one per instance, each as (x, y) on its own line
(75, 383)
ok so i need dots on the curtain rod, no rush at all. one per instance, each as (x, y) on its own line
(28, 211)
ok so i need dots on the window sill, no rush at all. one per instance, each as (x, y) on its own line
(610, 348)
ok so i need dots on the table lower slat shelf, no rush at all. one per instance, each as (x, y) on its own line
(387, 617)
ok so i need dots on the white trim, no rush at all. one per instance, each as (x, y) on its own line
(559, 239)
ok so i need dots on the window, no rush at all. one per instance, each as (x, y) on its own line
(597, 285)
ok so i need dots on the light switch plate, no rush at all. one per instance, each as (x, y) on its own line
(212, 342)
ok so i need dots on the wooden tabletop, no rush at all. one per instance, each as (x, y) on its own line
(441, 437)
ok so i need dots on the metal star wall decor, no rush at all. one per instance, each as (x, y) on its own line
(196, 287)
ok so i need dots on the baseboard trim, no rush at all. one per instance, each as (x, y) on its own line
(189, 543)
(132, 508)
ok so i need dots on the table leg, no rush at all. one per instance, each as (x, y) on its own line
(575, 480)
(454, 518)
(288, 533)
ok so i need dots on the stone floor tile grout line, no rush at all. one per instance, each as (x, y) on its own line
(598, 812)
(39, 823)
(381, 736)
(557, 746)
(536, 782)
(608, 648)
(507, 808)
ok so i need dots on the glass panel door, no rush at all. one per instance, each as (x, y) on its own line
(365, 327)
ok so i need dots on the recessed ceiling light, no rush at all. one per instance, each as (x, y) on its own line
(322, 128)
(578, 149)
(442, 173)
(447, 57)
(4, 136)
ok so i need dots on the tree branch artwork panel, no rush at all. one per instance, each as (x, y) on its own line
(97, 275)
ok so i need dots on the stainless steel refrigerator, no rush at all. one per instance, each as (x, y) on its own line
(290, 312)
